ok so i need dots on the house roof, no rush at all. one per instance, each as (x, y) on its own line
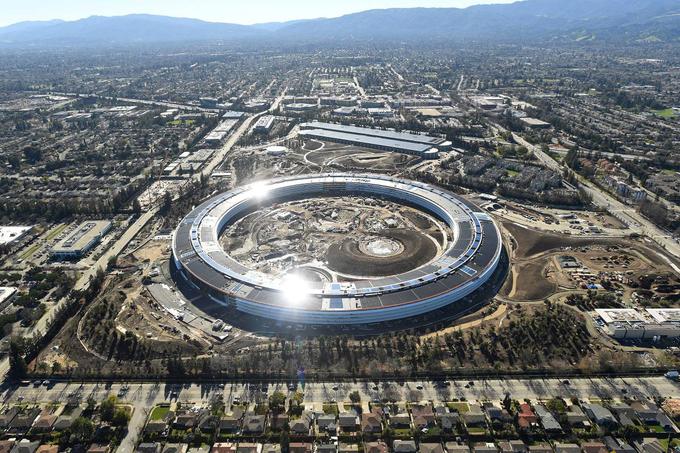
(426, 447)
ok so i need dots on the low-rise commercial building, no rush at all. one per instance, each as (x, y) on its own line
(81, 241)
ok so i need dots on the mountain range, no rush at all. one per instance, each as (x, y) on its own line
(533, 20)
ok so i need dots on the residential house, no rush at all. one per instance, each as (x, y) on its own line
(371, 422)
(376, 447)
(23, 421)
(649, 445)
(6, 446)
(440, 409)
(149, 447)
(229, 424)
(254, 424)
(348, 448)
(594, 447)
(154, 426)
(327, 423)
(548, 420)
(449, 421)
(202, 449)
(540, 447)
(47, 449)
(650, 414)
(186, 421)
(271, 448)
(99, 448)
(327, 448)
(279, 422)
(567, 448)
(526, 417)
(423, 415)
(348, 421)
(25, 446)
(475, 416)
(64, 421)
(207, 422)
(404, 446)
(431, 447)
(401, 420)
(601, 415)
(618, 445)
(249, 447)
(300, 447)
(175, 448)
(301, 426)
(485, 447)
(223, 447)
(497, 416)
(44, 423)
(512, 446)
(455, 447)
(7, 417)
(624, 413)
(576, 417)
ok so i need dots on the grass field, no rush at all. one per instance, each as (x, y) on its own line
(665, 113)
(56, 231)
(28, 253)
(159, 412)
(461, 408)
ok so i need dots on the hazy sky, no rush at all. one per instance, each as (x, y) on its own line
(236, 11)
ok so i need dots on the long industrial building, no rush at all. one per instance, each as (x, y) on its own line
(466, 263)
(421, 145)
(81, 241)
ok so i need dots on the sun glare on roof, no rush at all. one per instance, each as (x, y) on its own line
(259, 190)
(295, 289)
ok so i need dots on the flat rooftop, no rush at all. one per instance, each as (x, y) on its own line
(378, 133)
(12, 233)
(662, 315)
(82, 236)
(612, 315)
(368, 140)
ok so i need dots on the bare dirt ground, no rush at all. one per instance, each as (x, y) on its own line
(537, 274)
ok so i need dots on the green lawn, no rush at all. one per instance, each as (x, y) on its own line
(330, 408)
(665, 113)
(402, 433)
(159, 412)
(56, 231)
(28, 253)
(461, 408)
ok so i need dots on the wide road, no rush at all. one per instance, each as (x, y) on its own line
(636, 222)
(145, 395)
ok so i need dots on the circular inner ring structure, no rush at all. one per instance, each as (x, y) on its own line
(465, 264)
(381, 247)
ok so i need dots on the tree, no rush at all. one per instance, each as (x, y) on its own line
(107, 408)
(82, 428)
(32, 154)
(277, 401)
(120, 418)
(91, 404)
(507, 402)
(354, 397)
(17, 363)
